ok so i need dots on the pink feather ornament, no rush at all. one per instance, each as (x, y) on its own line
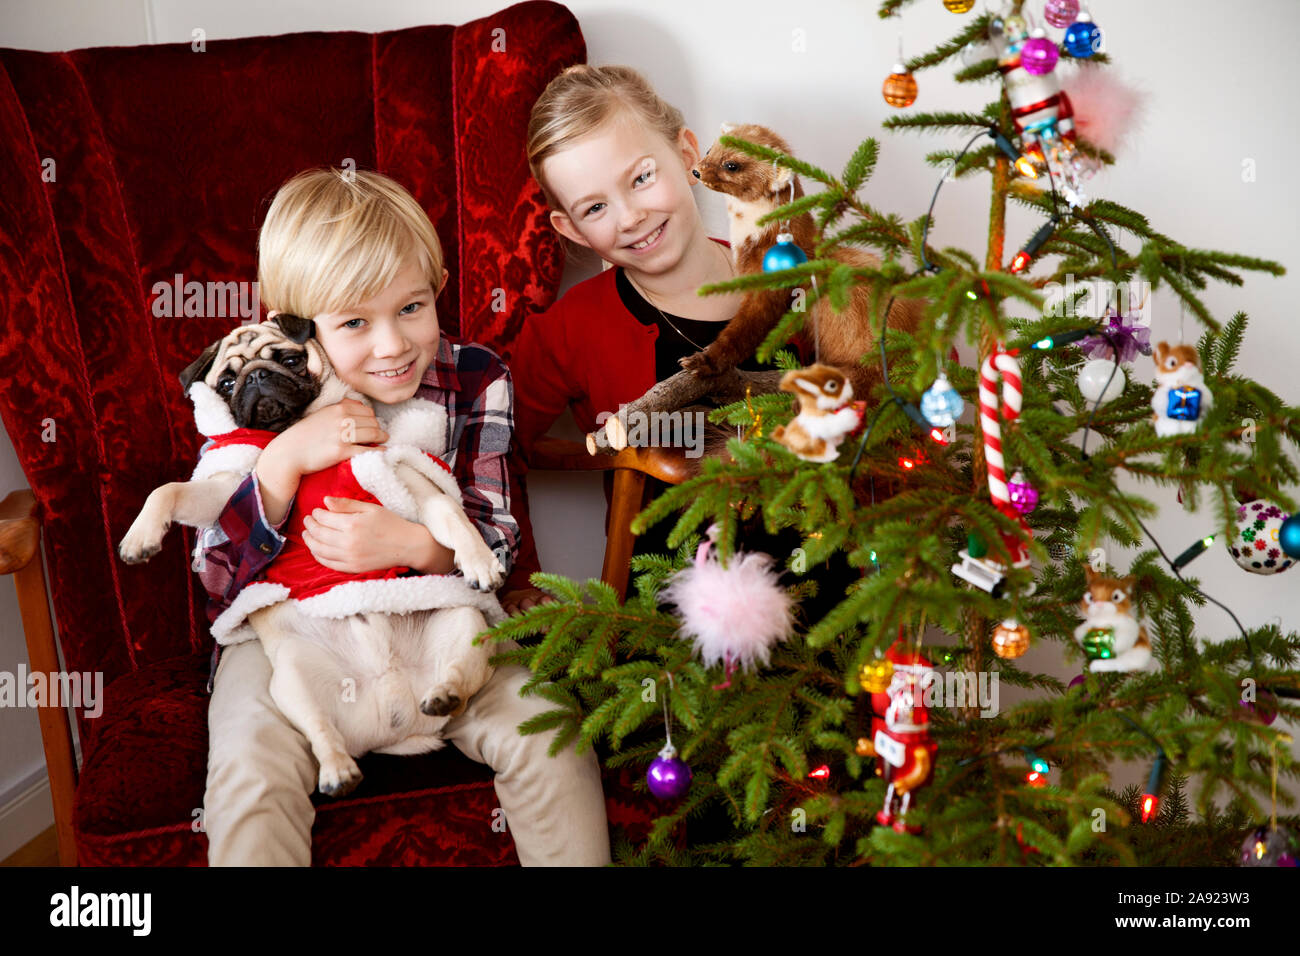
(734, 614)
(1106, 109)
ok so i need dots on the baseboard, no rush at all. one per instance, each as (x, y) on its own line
(26, 810)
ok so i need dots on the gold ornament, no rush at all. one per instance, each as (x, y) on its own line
(958, 6)
(876, 675)
(1010, 639)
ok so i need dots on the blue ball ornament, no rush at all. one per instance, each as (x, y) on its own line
(942, 404)
(1082, 37)
(784, 255)
(1288, 536)
(668, 777)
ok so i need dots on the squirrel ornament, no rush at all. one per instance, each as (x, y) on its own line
(825, 413)
(1111, 637)
(753, 188)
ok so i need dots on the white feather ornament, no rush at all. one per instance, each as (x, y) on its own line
(734, 614)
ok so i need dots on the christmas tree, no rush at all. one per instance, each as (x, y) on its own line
(864, 727)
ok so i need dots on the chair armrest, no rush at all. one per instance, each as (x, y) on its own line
(20, 532)
(20, 555)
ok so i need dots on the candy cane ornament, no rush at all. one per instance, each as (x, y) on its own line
(1001, 363)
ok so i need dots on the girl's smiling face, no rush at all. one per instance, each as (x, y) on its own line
(625, 193)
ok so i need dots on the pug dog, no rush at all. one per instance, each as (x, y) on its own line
(351, 682)
(270, 375)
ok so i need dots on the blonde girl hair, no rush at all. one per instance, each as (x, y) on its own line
(582, 99)
(333, 238)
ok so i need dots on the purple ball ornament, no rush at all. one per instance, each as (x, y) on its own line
(1081, 682)
(1060, 13)
(1263, 708)
(1268, 847)
(668, 777)
(1024, 496)
(1038, 55)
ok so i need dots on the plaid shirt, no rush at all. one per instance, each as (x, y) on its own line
(474, 386)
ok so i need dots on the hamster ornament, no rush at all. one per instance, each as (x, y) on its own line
(1111, 637)
(826, 412)
(1181, 398)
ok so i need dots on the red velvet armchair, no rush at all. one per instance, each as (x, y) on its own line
(124, 168)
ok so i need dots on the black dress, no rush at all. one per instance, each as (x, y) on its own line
(670, 347)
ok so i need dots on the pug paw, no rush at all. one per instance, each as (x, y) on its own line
(339, 775)
(440, 701)
(483, 572)
(140, 545)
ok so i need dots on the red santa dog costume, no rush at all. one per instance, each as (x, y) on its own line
(417, 431)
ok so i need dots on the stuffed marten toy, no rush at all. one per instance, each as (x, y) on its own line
(753, 188)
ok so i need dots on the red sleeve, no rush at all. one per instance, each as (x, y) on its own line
(545, 385)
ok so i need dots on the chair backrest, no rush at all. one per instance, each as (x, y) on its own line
(127, 167)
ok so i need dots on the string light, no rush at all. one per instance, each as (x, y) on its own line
(1024, 165)
(1151, 799)
(1192, 553)
(1026, 255)
(1038, 769)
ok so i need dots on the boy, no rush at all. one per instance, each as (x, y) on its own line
(359, 256)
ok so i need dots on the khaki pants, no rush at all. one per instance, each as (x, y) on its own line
(261, 773)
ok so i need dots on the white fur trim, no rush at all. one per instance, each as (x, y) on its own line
(211, 414)
(241, 459)
(416, 421)
(373, 473)
(228, 627)
(401, 596)
(379, 595)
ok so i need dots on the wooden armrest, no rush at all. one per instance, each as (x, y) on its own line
(561, 454)
(20, 532)
(20, 555)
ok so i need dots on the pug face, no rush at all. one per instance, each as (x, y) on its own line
(268, 374)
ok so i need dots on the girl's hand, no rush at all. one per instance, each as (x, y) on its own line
(524, 599)
(354, 537)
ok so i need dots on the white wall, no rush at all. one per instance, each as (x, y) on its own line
(1218, 91)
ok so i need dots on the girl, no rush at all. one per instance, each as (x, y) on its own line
(614, 162)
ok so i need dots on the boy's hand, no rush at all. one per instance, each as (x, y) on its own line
(326, 437)
(523, 599)
(358, 536)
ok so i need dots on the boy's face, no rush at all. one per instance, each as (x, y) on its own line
(625, 193)
(397, 330)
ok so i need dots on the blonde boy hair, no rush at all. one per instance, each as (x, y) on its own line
(334, 238)
(583, 98)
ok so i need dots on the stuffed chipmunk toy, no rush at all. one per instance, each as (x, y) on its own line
(827, 412)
